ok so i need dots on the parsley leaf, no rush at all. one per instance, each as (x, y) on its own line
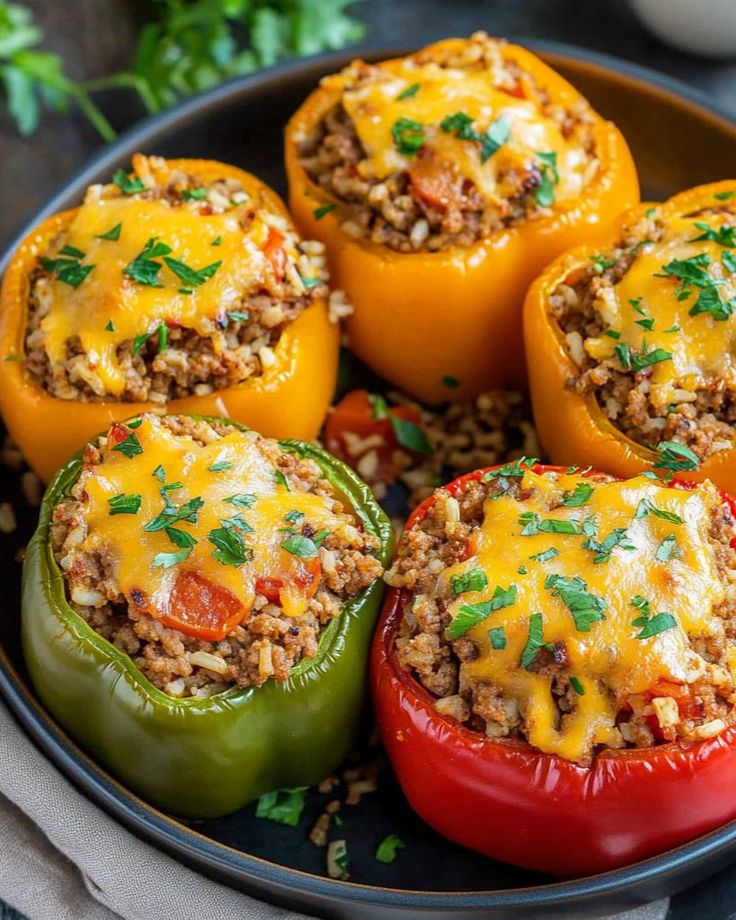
(545, 556)
(171, 514)
(408, 136)
(299, 545)
(241, 500)
(191, 277)
(602, 549)
(650, 625)
(724, 236)
(497, 635)
(667, 548)
(125, 504)
(585, 608)
(580, 496)
(409, 91)
(470, 615)
(646, 506)
(126, 184)
(577, 686)
(219, 466)
(532, 524)
(473, 580)
(549, 178)
(676, 457)
(130, 447)
(535, 640)
(323, 209)
(601, 262)
(496, 135)
(144, 268)
(167, 560)
(388, 848)
(229, 546)
(112, 234)
(284, 806)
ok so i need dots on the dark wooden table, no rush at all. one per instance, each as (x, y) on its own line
(97, 37)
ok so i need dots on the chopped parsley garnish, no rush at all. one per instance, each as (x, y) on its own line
(474, 580)
(676, 457)
(409, 91)
(535, 640)
(388, 848)
(585, 608)
(241, 500)
(69, 270)
(299, 545)
(451, 382)
(545, 556)
(729, 261)
(160, 473)
(545, 191)
(284, 806)
(138, 342)
(237, 521)
(294, 517)
(490, 140)
(192, 277)
(636, 361)
(577, 686)
(522, 570)
(144, 268)
(110, 327)
(693, 273)
(602, 549)
(229, 546)
(497, 636)
(130, 447)
(646, 506)
(725, 236)
(171, 514)
(163, 337)
(612, 334)
(217, 241)
(238, 316)
(112, 234)
(193, 194)
(180, 538)
(580, 496)
(470, 615)
(648, 624)
(601, 262)
(323, 209)
(724, 196)
(125, 504)
(513, 470)
(167, 560)
(408, 434)
(219, 466)
(127, 185)
(496, 135)
(281, 480)
(667, 548)
(532, 524)
(408, 136)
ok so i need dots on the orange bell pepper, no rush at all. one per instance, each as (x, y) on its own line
(422, 317)
(289, 399)
(573, 428)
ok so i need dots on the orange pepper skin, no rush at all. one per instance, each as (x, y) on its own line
(289, 399)
(420, 317)
(572, 428)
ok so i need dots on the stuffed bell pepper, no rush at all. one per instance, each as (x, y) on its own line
(631, 345)
(441, 184)
(182, 286)
(198, 603)
(555, 671)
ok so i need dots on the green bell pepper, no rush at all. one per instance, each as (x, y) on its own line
(200, 757)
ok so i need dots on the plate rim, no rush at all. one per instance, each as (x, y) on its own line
(179, 840)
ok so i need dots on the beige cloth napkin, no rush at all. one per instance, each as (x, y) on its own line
(62, 858)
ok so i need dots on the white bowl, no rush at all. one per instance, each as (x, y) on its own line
(704, 27)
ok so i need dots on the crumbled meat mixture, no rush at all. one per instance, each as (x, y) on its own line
(397, 211)
(267, 643)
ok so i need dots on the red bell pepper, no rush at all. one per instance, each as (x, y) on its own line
(516, 804)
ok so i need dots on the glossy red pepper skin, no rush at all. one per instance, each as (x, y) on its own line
(515, 804)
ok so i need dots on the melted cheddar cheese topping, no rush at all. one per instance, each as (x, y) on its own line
(110, 307)
(653, 307)
(610, 656)
(375, 107)
(235, 487)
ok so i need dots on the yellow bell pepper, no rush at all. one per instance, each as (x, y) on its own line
(289, 399)
(573, 428)
(421, 318)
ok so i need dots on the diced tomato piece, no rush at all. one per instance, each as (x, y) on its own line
(304, 576)
(199, 608)
(354, 414)
(274, 252)
(117, 434)
(436, 183)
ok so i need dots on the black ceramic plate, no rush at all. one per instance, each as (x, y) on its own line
(678, 140)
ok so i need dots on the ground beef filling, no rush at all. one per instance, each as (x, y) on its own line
(405, 211)
(181, 361)
(442, 666)
(700, 416)
(267, 643)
